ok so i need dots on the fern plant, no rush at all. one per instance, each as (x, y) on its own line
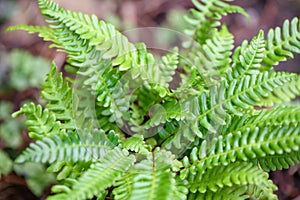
(215, 136)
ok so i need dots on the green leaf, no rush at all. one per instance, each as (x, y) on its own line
(100, 176)
(70, 147)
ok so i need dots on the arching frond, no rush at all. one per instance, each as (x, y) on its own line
(58, 93)
(205, 18)
(100, 176)
(151, 178)
(236, 175)
(277, 116)
(282, 43)
(255, 143)
(212, 58)
(41, 123)
(249, 57)
(70, 147)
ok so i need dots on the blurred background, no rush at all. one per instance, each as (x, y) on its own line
(25, 59)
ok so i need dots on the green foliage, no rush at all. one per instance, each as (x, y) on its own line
(204, 20)
(282, 43)
(117, 131)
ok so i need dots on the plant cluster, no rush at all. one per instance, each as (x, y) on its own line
(117, 130)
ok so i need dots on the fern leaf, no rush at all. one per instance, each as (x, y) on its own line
(151, 178)
(46, 33)
(237, 193)
(284, 93)
(71, 147)
(135, 143)
(277, 116)
(98, 33)
(59, 96)
(223, 98)
(244, 146)
(236, 174)
(205, 18)
(41, 123)
(123, 187)
(162, 73)
(213, 58)
(251, 56)
(258, 89)
(67, 170)
(282, 43)
(279, 162)
(102, 174)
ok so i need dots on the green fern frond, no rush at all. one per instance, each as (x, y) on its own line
(232, 175)
(98, 33)
(282, 43)
(279, 162)
(41, 123)
(161, 74)
(151, 175)
(62, 191)
(249, 57)
(284, 93)
(136, 144)
(259, 89)
(44, 32)
(71, 147)
(277, 116)
(213, 58)
(236, 193)
(205, 18)
(225, 98)
(67, 170)
(101, 76)
(123, 187)
(245, 146)
(100, 175)
(58, 93)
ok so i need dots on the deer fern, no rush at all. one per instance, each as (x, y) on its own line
(117, 131)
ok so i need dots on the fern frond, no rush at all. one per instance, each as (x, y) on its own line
(249, 57)
(259, 89)
(151, 178)
(282, 43)
(161, 74)
(136, 144)
(223, 98)
(279, 162)
(236, 193)
(67, 170)
(232, 175)
(101, 174)
(277, 116)
(284, 93)
(255, 143)
(123, 187)
(41, 123)
(44, 32)
(213, 58)
(71, 147)
(205, 18)
(98, 33)
(58, 93)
